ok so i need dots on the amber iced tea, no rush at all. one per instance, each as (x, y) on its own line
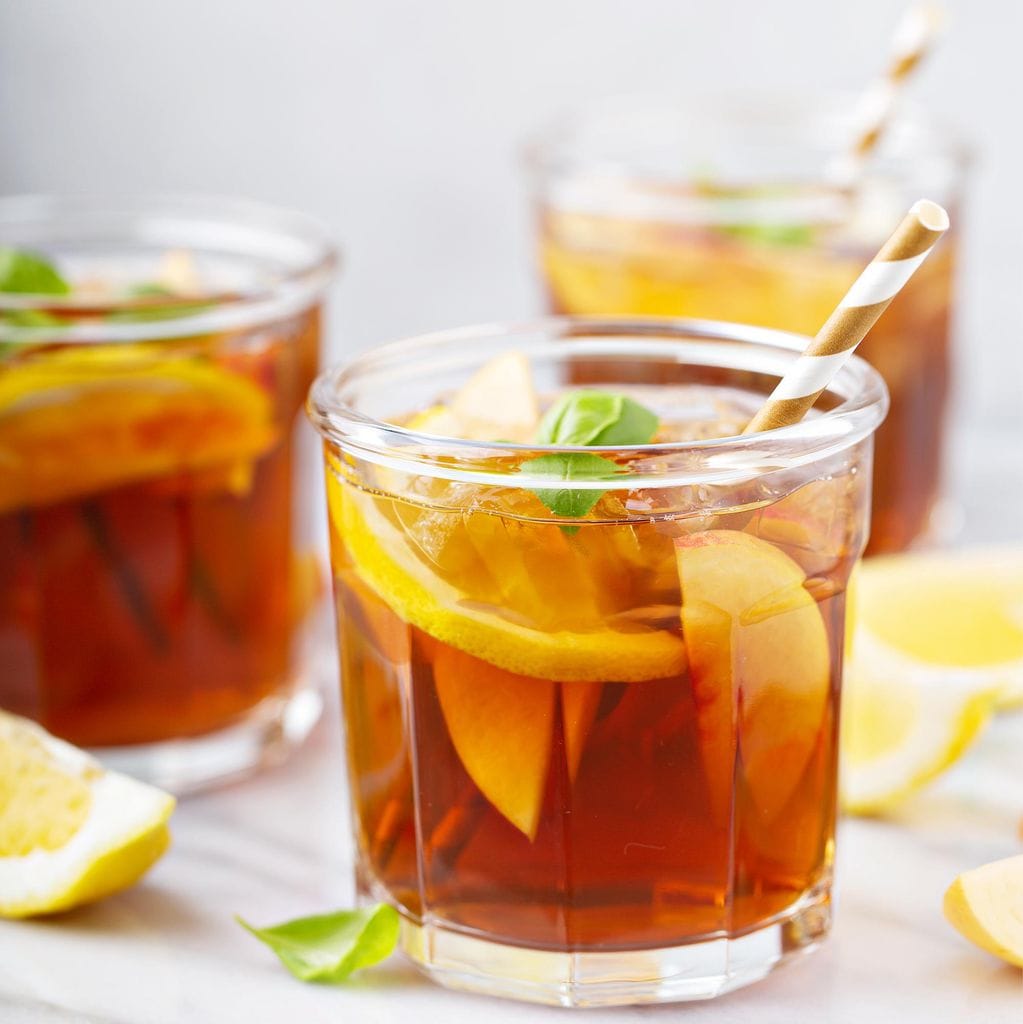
(154, 581)
(655, 210)
(609, 733)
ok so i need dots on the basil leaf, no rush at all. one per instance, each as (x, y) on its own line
(636, 424)
(329, 947)
(151, 289)
(30, 318)
(143, 314)
(36, 318)
(596, 417)
(566, 501)
(28, 273)
(578, 417)
(586, 418)
(771, 234)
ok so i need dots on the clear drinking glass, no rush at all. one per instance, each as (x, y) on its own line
(722, 209)
(157, 571)
(592, 760)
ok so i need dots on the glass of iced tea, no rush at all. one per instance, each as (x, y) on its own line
(157, 571)
(723, 210)
(591, 649)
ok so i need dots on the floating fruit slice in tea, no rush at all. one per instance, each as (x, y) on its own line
(759, 661)
(82, 419)
(902, 728)
(986, 906)
(70, 832)
(501, 724)
(579, 704)
(383, 630)
(498, 403)
(386, 560)
(953, 612)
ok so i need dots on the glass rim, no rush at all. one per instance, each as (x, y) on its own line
(289, 291)
(554, 153)
(730, 458)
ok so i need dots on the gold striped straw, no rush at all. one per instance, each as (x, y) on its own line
(881, 280)
(913, 40)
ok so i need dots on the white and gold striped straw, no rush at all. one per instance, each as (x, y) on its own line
(913, 40)
(882, 279)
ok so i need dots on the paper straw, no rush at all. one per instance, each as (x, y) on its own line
(882, 279)
(913, 40)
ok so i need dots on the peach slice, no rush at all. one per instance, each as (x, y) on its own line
(498, 402)
(758, 656)
(579, 703)
(501, 726)
(386, 632)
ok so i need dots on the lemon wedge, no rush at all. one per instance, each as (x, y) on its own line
(902, 728)
(986, 906)
(79, 420)
(952, 612)
(937, 648)
(70, 832)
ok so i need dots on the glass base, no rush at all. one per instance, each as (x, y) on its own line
(696, 970)
(265, 736)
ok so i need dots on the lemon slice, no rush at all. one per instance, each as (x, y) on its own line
(70, 832)
(902, 727)
(959, 612)
(79, 420)
(986, 906)
(383, 559)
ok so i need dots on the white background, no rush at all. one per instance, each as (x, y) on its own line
(397, 124)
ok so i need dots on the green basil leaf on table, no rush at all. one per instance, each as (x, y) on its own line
(330, 947)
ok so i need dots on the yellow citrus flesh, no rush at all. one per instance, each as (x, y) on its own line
(41, 806)
(530, 566)
(937, 648)
(955, 613)
(900, 730)
(607, 265)
(70, 833)
(986, 906)
(78, 420)
(758, 657)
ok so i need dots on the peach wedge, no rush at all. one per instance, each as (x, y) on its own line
(758, 656)
(502, 726)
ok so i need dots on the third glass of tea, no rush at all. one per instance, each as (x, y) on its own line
(723, 210)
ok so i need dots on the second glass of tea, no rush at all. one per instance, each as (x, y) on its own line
(158, 575)
(723, 210)
(590, 690)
